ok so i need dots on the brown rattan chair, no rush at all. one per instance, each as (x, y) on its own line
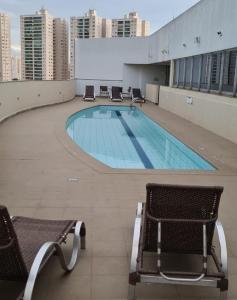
(173, 238)
(27, 244)
(89, 93)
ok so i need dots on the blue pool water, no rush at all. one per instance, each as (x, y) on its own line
(124, 137)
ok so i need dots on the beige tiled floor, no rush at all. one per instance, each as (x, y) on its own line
(37, 160)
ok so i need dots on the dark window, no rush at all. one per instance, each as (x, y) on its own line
(196, 70)
(206, 59)
(229, 71)
(181, 71)
(188, 72)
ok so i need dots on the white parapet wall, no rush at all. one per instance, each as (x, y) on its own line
(213, 112)
(152, 93)
(17, 96)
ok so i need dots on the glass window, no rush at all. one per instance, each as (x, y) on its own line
(206, 59)
(188, 72)
(181, 71)
(229, 70)
(196, 70)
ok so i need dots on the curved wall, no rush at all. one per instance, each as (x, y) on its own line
(17, 96)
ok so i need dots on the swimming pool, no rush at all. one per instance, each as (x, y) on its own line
(124, 137)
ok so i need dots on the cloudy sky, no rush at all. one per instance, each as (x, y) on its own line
(158, 12)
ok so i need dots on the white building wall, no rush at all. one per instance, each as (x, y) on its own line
(137, 76)
(204, 20)
(103, 60)
(215, 113)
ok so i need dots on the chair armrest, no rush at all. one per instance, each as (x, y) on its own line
(136, 237)
(223, 247)
(7, 246)
(49, 248)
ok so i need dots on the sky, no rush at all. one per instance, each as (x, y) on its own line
(158, 12)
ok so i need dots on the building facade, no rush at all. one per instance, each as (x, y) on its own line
(60, 48)
(106, 28)
(200, 56)
(130, 26)
(88, 26)
(37, 46)
(5, 48)
(16, 68)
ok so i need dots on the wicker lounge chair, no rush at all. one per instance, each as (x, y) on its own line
(116, 93)
(27, 244)
(173, 235)
(89, 93)
(137, 96)
(104, 91)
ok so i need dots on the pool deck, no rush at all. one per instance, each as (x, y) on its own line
(45, 175)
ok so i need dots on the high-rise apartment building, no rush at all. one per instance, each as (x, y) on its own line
(130, 26)
(88, 26)
(60, 48)
(5, 48)
(37, 46)
(106, 28)
(16, 67)
(92, 26)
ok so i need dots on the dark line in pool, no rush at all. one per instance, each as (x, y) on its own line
(145, 160)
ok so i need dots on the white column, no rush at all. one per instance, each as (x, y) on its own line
(171, 80)
(222, 71)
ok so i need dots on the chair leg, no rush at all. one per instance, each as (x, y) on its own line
(83, 242)
(223, 295)
(83, 236)
(131, 292)
(50, 246)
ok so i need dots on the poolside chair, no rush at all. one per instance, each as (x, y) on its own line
(27, 244)
(104, 91)
(116, 93)
(173, 238)
(137, 96)
(127, 94)
(89, 93)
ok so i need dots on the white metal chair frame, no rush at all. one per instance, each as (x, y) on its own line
(164, 279)
(46, 248)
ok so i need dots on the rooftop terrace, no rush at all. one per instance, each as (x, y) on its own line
(44, 175)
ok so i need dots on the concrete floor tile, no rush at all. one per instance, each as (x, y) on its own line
(109, 287)
(45, 175)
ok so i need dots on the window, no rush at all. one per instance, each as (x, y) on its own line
(206, 59)
(229, 70)
(181, 71)
(188, 73)
(216, 70)
(206, 71)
